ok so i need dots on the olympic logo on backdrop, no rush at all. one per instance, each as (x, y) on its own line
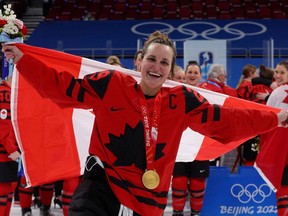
(251, 192)
(203, 30)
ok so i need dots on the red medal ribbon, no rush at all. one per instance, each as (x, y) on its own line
(150, 131)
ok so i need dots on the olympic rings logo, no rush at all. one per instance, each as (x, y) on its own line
(251, 192)
(203, 30)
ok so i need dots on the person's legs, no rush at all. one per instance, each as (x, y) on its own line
(196, 191)
(13, 186)
(282, 195)
(282, 201)
(5, 195)
(16, 192)
(58, 187)
(69, 187)
(46, 192)
(25, 195)
(179, 194)
(36, 200)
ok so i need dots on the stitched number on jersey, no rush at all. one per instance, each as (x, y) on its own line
(5, 97)
(101, 75)
(199, 97)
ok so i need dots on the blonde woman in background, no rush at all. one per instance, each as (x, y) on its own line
(114, 60)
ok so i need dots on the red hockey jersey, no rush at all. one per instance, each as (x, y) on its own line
(7, 138)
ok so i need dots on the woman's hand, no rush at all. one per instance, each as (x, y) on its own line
(282, 118)
(12, 52)
(15, 155)
(262, 95)
(273, 85)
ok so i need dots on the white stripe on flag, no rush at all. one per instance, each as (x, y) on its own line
(190, 144)
(83, 121)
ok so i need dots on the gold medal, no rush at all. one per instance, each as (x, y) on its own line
(150, 179)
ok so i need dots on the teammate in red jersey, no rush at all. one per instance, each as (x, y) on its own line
(137, 128)
(9, 151)
(273, 154)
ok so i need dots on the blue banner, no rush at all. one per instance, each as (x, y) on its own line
(243, 193)
(124, 34)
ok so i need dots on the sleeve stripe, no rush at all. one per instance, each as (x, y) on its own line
(204, 116)
(216, 113)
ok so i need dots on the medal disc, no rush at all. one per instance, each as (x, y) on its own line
(150, 179)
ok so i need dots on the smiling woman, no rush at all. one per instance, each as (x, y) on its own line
(159, 56)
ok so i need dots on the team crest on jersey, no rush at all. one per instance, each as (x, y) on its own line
(3, 114)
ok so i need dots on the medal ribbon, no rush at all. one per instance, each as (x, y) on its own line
(150, 133)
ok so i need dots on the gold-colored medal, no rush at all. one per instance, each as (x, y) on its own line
(150, 179)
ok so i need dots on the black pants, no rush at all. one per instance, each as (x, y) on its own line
(93, 196)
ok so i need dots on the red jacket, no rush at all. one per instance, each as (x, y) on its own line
(216, 86)
(257, 89)
(245, 90)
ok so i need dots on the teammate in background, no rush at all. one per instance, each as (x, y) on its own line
(247, 152)
(273, 154)
(178, 74)
(137, 59)
(114, 60)
(244, 87)
(9, 151)
(266, 74)
(189, 176)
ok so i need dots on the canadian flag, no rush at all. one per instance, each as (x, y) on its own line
(55, 141)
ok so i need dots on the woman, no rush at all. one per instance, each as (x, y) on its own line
(273, 145)
(189, 176)
(137, 59)
(244, 87)
(266, 73)
(178, 74)
(247, 152)
(9, 151)
(133, 148)
(193, 73)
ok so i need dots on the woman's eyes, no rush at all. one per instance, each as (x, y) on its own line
(151, 59)
(164, 62)
(154, 59)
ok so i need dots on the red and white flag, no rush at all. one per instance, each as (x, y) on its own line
(54, 141)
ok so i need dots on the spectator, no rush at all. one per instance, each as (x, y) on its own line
(273, 154)
(216, 81)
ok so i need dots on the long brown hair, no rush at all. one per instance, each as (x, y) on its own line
(247, 69)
